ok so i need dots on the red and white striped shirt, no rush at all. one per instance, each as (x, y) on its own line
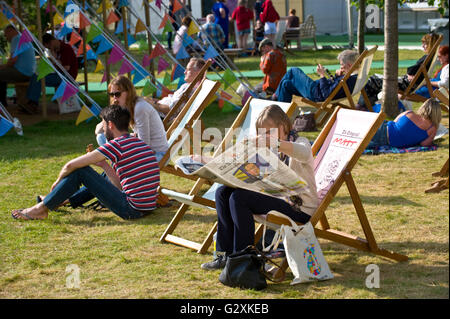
(137, 168)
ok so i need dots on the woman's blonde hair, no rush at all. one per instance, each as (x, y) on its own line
(276, 116)
(431, 110)
(125, 85)
(430, 39)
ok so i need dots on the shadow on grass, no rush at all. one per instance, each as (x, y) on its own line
(397, 279)
(379, 200)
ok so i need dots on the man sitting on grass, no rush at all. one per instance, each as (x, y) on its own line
(131, 190)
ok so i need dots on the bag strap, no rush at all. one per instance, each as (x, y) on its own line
(266, 274)
(278, 214)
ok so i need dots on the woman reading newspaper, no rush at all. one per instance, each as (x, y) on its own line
(236, 207)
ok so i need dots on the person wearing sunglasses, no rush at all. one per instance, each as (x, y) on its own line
(145, 121)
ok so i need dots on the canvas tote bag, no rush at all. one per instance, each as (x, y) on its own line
(303, 252)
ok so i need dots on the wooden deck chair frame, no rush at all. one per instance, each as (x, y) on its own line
(326, 108)
(369, 244)
(175, 109)
(193, 199)
(442, 97)
(409, 93)
(190, 121)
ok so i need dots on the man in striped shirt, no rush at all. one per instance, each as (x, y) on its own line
(131, 190)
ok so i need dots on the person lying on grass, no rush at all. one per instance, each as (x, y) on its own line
(132, 189)
(409, 128)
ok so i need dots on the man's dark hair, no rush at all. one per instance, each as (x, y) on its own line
(47, 38)
(119, 115)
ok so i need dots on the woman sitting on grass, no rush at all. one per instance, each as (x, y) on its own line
(409, 128)
(236, 207)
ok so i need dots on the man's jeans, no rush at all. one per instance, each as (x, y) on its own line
(108, 194)
(295, 82)
(34, 89)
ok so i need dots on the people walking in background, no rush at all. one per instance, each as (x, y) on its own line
(243, 17)
(269, 17)
(221, 13)
(214, 31)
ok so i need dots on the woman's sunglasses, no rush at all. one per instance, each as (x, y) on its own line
(115, 94)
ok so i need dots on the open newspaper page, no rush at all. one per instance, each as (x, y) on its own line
(246, 166)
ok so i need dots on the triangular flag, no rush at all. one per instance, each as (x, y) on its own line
(162, 65)
(225, 95)
(69, 91)
(25, 37)
(112, 17)
(74, 38)
(59, 91)
(24, 47)
(5, 125)
(126, 67)
(181, 81)
(109, 5)
(177, 6)
(140, 26)
(164, 92)
(119, 28)
(158, 4)
(104, 78)
(146, 60)
(116, 55)
(139, 73)
(157, 51)
(57, 19)
(130, 39)
(104, 45)
(168, 28)
(228, 78)
(84, 114)
(43, 68)
(177, 72)
(64, 31)
(148, 89)
(192, 28)
(123, 3)
(84, 22)
(42, 2)
(166, 80)
(3, 21)
(94, 31)
(81, 49)
(187, 40)
(182, 54)
(163, 21)
(99, 66)
(211, 53)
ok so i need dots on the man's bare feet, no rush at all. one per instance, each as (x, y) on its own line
(38, 211)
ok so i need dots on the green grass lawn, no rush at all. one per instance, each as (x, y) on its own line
(125, 259)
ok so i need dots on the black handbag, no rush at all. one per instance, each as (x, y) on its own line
(245, 269)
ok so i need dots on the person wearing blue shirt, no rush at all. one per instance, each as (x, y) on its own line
(18, 68)
(296, 82)
(221, 12)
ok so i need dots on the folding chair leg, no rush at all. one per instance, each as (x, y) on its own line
(208, 240)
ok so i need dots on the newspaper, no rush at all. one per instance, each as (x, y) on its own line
(249, 167)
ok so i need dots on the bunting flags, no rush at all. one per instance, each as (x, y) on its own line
(146, 60)
(69, 91)
(125, 68)
(182, 54)
(57, 19)
(99, 66)
(177, 6)
(93, 33)
(25, 37)
(148, 89)
(158, 3)
(74, 38)
(59, 91)
(103, 46)
(84, 114)
(192, 28)
(5, 125)
(84, 22)
(210, 53)
(43, 68)
(162, 65)
(177, 72)
(140, 26)
(112, 17)
(157, 51)
(116, 55)
(228, 78)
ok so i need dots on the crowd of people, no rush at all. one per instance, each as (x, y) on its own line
(132, 138)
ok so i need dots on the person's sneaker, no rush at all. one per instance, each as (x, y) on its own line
(218, 263)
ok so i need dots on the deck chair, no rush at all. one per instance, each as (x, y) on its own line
(442, 95)
(337, 153)
(362, 67)
(440, 185)
(425, 70)
(182, 127)
(168, 119)
(245, 120)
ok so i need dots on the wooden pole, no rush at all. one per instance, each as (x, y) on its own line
(18, 6)
(149, 37)
(125, 30)
(106, 53)
(39, 26)
(52, 25)
(84, 55)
